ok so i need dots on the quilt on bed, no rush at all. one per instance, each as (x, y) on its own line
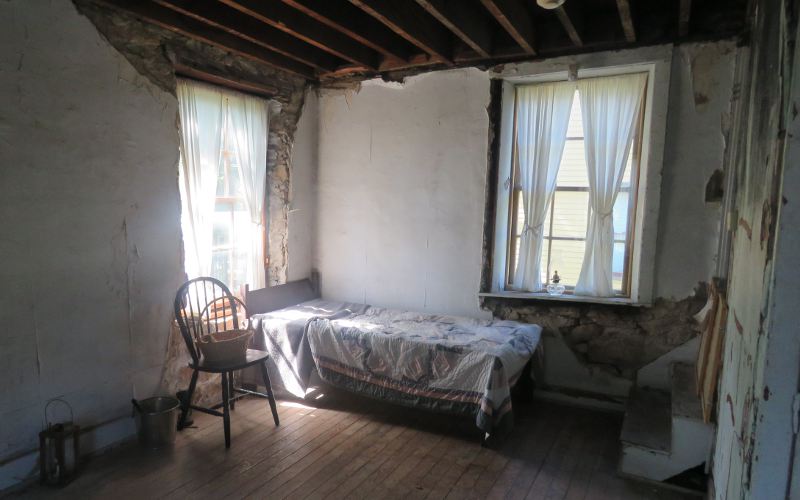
(444, 363)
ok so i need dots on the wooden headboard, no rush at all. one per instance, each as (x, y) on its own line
(277, 297)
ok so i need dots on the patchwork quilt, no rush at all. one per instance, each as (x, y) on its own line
(438, 362)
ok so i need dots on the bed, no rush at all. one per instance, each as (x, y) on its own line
(443, 363)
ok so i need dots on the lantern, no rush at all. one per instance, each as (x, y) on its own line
(58, 449)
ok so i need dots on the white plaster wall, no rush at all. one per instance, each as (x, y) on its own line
(402, 170)
(303, 192)
(402, 176)
(700, 97)
(89, 209)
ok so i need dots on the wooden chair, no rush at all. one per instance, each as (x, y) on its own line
(198, 312)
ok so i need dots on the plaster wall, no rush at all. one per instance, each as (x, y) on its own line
(90, 211)
(700, 94)
(302, 198)
(402, 183)
(402, 170)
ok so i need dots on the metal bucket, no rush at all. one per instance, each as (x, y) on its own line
(157, 420)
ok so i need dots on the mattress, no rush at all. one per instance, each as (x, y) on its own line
(443, 363)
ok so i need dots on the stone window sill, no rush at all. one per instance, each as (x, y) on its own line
(619, 301)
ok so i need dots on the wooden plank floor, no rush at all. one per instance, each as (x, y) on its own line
(344, 446)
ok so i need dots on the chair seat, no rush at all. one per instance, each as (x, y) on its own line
(252, 357)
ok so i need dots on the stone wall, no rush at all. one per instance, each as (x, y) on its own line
(618, 339)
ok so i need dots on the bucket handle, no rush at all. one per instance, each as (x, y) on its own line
(47, 406)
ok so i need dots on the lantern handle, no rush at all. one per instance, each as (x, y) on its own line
(47, 406)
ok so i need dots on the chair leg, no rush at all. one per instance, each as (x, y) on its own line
(268, 387)
(231, 392)
(185, 404)
(226, 417)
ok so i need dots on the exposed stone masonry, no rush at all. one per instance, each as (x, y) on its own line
(619, 338)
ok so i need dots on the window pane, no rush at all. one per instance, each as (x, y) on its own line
(571, 213)
(572, 171)
(626, 176)
(222, 226)
(618, 266)
(236, 179)
(620, 216)
(220, 265)
(575, 127)
(516, 253)
(221, 185)
(543, 271)
(566, 258)
(518, 228)
(239, 267)
(520, 213)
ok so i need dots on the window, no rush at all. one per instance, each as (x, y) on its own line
(595, 222)
(222, 181)
(567, 215)
(230, 246)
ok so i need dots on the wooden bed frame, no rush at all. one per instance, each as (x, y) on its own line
(277, 297)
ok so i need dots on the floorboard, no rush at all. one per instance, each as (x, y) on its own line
(344, 446)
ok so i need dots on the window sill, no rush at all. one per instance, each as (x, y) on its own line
(619, 301)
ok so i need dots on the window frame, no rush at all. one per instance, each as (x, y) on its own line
(514, 200)
(656, 61)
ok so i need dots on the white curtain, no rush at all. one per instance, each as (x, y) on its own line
(542, 118)
(248, 129)
(610, 108)
(202, 115)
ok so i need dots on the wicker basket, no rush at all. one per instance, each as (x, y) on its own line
(224, 347)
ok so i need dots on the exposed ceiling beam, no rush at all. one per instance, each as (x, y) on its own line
(225, 80)
(279, 15)
(624, 8)
(355, 23)
(569, 26)
(683, 20)
(250, 29)
(513, 16)
(464, 20)
(197, 30)
(418, 28)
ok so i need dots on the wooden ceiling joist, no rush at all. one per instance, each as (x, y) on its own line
(624, 8)
(568, 23)
(464, 20)
(683, 20)
(416, 27)
(249, 87)
(250, 29)
(192, 28)
(514, 18)
(355, 23)
(280, 16)
(332, 39)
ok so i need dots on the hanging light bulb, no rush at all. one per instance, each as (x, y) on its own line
(550, 4)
